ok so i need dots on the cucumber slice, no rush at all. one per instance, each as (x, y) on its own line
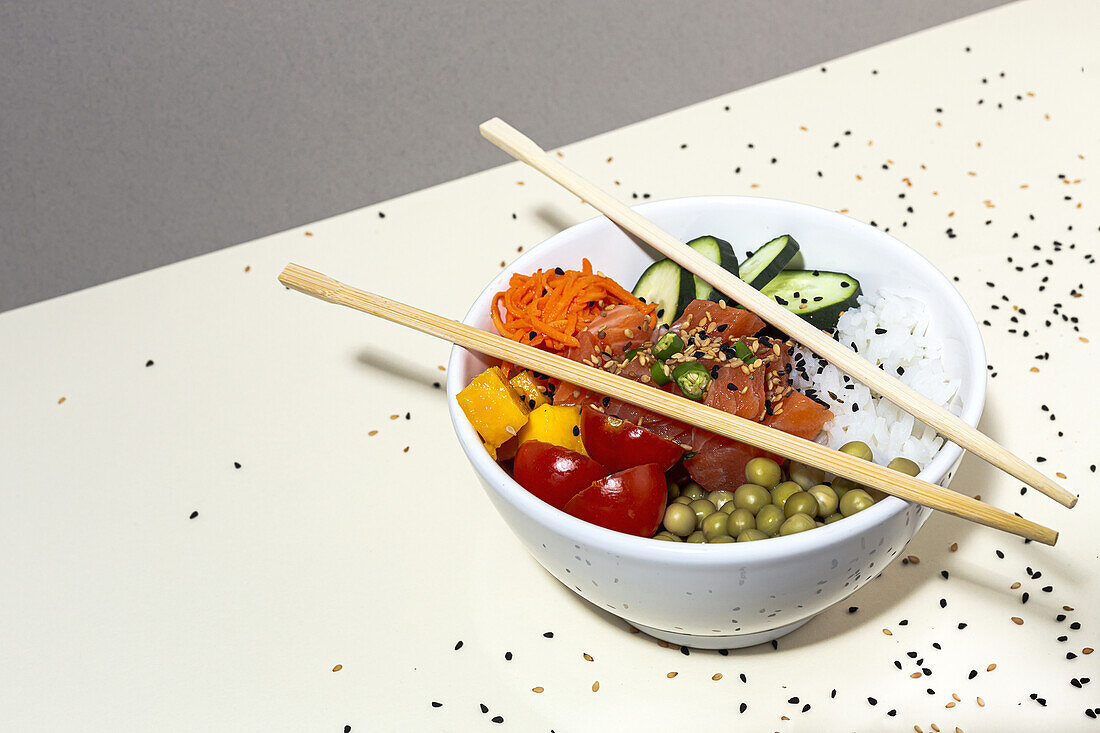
(669, 286)
(720, 253)
(815, 295)
(768, 261)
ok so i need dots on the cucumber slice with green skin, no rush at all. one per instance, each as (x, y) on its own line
(815, 295)
(669, 286)
(720, 253)
(768, 261)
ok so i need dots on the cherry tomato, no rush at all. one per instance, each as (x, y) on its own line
(619, 444)
(552, 473)
(630, 501)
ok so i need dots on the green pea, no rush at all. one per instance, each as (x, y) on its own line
(703, 509)
(769, 518)
(719, 498)
(876, 495)
(715, 525)
(834, 518)
(842, 486)
(685, 500)
(679, 519)
(805, 476)
(740, 520)
(721, 539)
(796, 523)
(855, 501)
(693, 491)
(800, 502)
(729, 507)
(666, 537)
(827, 500)
(783, 491)
(750, 535)
(763, 472)
(751, 497)
(905, 466)
(673, 491)
(696, 538)
(859, 449)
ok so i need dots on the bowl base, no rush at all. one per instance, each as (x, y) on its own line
(734, 641)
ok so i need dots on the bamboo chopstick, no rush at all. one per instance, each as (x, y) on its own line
(855, 469)
(524, 149)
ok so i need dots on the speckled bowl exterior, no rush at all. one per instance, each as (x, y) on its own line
(731, 595)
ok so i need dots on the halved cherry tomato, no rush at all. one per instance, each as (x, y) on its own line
(630, 501)
(619, 444)
(554, 474)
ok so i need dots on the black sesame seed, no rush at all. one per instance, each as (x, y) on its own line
(576, 430)
(508, 656)
(962, 625)
(1000, 554)
(194, 514)
(853, 609)
(930, 691)
(724, 652)
(891, 712)
(498, 719)
(1075, 625)
(458, 646)
(972, 675)
(549, 634)
(793, 701)
(912, 655)
(744, 678)
(745, 707)
(236, 464)
(1024, 598)
(436, 704)
(685, 651)
(1071, 655)
(832, 695)
(943, 603)
(484, 708)
(872, 700)
(944, 574)
(806, 707)
(897, 664)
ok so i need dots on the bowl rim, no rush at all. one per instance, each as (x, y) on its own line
(592, 535)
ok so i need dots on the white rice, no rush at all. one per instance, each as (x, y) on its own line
(931, 366)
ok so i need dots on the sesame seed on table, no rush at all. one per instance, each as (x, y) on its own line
(971, 142)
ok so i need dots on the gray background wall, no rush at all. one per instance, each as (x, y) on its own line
(135, 133)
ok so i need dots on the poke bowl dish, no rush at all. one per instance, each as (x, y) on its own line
(693, 537)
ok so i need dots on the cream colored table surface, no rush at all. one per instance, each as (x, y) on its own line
(330, 574)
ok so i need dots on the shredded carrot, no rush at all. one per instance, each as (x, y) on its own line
(550, 307)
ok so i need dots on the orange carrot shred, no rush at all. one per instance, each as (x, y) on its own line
(548, 308)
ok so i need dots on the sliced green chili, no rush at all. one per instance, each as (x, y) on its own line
(743, 352)
(668, 345)
(692, 379)
(659, 374)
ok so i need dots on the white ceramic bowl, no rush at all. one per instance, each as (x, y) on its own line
(731, 595)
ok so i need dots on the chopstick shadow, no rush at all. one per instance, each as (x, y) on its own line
(554, 217)
(400, 367)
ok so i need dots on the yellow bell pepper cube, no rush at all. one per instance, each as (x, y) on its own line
(525, 384)
(555, 425)
(495, 410)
